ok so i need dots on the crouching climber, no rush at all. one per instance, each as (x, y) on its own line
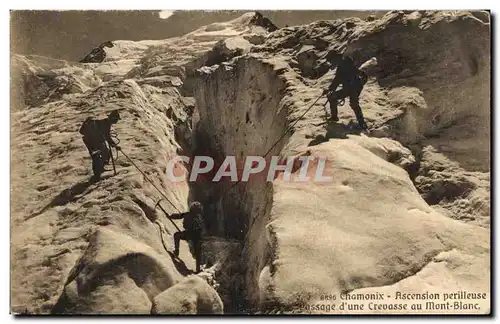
(193, 230)
(352, 80)
(96, 133)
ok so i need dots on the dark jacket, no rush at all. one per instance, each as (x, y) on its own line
(193, 222)
(97, 130)
(348, 75)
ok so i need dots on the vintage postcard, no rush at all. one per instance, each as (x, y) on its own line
(250, 162)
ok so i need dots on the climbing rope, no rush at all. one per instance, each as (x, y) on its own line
(151, 182)
(163, 210)
(116, 140)
(291, 126)
(161, 234)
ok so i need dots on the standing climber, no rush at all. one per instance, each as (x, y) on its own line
(96, 133)
(352, 80)
(193, 230)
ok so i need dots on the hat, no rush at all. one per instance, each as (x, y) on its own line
(196, 206)
(114, 115)
(333, 56)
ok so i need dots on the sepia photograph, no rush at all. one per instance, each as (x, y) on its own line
(250, 162)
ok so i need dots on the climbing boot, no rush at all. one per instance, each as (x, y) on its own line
(334, 119)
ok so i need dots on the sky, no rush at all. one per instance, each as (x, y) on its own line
(165, 14)
(70, 35)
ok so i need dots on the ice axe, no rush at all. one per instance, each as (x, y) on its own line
(112, 157)
(324, 105)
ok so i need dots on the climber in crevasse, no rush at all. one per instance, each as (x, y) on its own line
(96, 133)
(194, 226)
(352, 80)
